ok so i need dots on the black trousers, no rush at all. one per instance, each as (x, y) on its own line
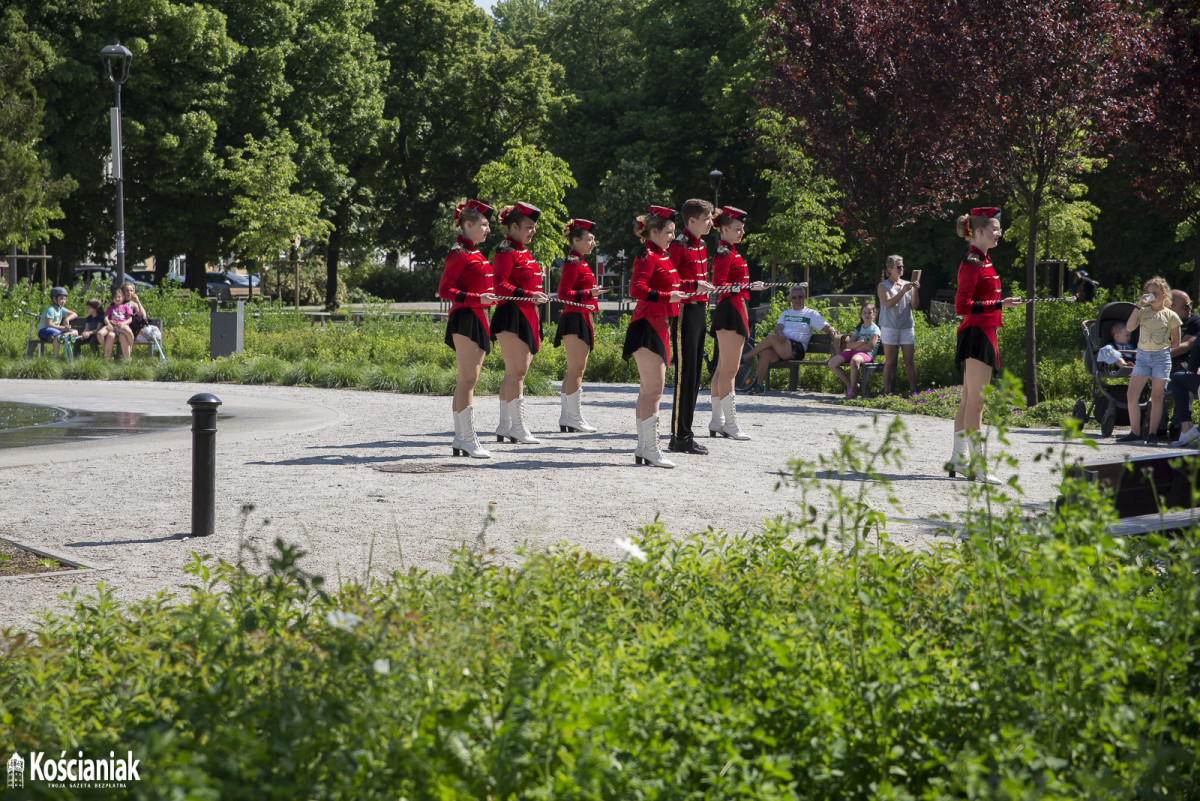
(687, 343)
(1182, 385)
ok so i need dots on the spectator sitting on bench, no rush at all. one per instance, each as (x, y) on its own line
(56, 320)
(790, 339)
(118, 314)
(1183, 385)
(93, 325)
(1114, 353)
(140, 325)
(858, 348)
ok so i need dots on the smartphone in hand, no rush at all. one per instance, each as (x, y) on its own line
(916, 276)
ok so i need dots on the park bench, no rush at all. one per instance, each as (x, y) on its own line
(36, 346)
(818, 352)
(1151, 494)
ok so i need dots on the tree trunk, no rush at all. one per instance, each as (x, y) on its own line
(392, 260)
(332, 256)
(196, 267)
(1031, 393)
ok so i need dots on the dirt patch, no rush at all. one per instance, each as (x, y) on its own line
(16, 561)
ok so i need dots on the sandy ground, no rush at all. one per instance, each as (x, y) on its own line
(366, 484)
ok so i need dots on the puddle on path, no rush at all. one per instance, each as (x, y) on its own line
(24, 424)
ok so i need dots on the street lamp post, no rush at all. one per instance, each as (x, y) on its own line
(116, 62)
(714, 180)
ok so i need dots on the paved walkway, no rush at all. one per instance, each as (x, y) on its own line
(366, 484)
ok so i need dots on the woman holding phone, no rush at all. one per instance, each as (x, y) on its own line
(897, 329)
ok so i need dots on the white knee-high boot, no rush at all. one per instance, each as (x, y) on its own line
(651, 453)
(517, 432)
(571, 416)
(466, 443)
(730, 429)
(505, 422)
(960, 460)
(717, 423)
(979, 471)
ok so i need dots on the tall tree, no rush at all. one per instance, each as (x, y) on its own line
(171, 108)
(268, 214)
(336, 115)
(801, 226)
(1165, 170)
(876, 89)
(1053, 82)
(456, 95)
(29, 197)
(528, 173)
(625, 193)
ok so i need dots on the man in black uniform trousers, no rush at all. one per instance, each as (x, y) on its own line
(690, 258)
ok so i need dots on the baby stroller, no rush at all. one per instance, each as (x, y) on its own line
(1108, 405)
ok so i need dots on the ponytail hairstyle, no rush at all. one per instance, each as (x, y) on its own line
(577, 228)
(968, 224)
(514, 214)
(470, 211)
(727, 216)
(655, 219)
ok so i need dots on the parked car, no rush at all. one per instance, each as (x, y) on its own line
(93, 275)
(171, 279)
(220, 284)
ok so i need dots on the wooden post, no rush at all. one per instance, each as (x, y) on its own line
(44, 258)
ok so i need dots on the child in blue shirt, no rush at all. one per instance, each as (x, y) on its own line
(860, 347)
(55, 321)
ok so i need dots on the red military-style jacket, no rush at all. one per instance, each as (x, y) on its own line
(467, 275)
(653, 279)
(576, 283)
(978, 299)
(690, 258)
(730, 268)
(517, 276)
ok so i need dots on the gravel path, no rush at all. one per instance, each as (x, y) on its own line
(353, 477)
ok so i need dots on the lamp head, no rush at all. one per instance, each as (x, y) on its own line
(116, 59)
(714, 179)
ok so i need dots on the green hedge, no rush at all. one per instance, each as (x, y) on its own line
(1041, 660)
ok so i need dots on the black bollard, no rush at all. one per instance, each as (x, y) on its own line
(204, 462)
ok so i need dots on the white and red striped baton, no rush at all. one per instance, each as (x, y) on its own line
(552, 300)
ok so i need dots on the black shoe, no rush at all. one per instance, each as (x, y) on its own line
(1130, 437)
(687, 446)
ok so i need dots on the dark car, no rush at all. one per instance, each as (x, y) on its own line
(171, 279)
(220, 285)
(91, 276)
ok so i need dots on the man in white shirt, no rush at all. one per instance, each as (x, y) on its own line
(790, 340)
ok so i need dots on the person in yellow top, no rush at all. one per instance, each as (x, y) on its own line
(1159, 332)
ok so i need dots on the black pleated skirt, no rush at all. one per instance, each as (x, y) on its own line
(577, 324)
(467, 323)
(973, 343)
(508, 317)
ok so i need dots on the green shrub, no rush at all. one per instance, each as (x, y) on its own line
(1037, 659)
(220, 371)
(133, 370)
(176, 370)
(306, 372)
(44, 367)
(382, 379)
(87, 369)
(263, 370)
(427, 379)
(338, 375)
